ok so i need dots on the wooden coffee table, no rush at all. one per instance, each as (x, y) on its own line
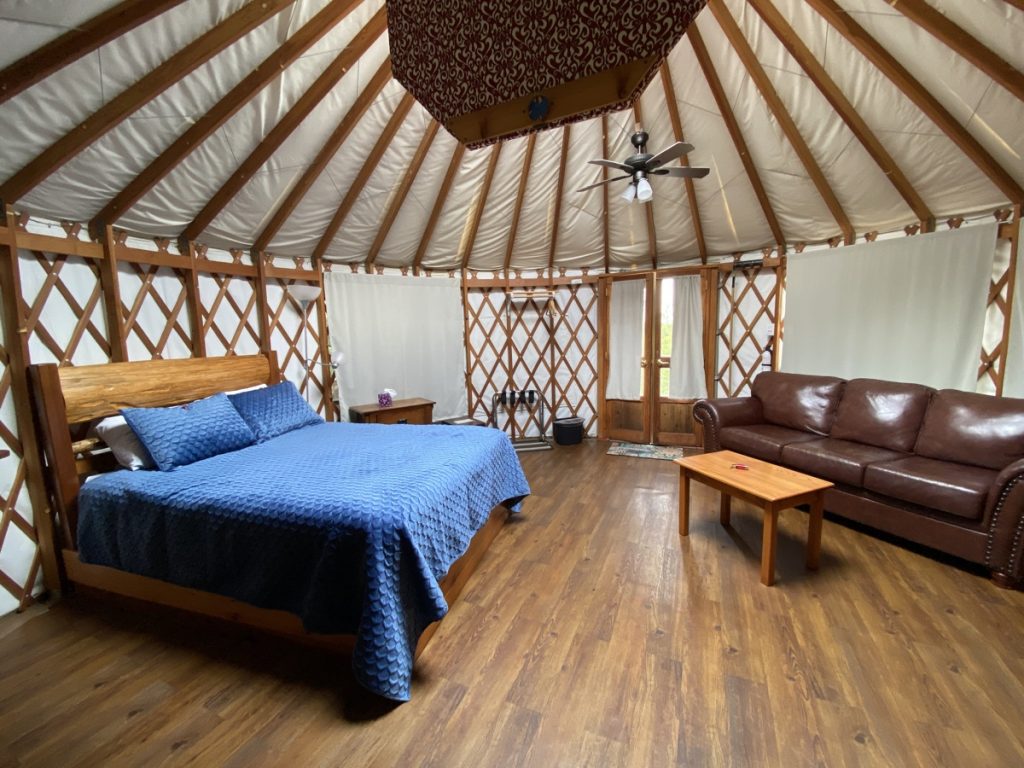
(770, 487)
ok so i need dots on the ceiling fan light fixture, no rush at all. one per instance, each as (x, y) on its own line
(643, 191)
(629, 193)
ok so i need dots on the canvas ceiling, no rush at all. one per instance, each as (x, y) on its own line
(947, 180)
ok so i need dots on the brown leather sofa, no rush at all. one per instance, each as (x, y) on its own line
(942, 468)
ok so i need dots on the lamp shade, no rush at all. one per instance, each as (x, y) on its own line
(303, 292)
(644, 191)
(629, 193)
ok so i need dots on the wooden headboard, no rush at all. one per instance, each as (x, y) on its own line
(65, 397)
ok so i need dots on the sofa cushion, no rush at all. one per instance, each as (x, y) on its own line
(840, 461)
(968, 428)
(798, 401)
(882, 413)
(762, 441)
(956, 489)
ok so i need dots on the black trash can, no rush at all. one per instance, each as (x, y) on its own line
(568, 431)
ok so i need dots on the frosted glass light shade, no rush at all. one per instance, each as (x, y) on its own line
(644, 191)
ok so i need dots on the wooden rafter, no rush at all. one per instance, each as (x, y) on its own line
(785, 120)
(734, 131)
(369, 166)
(135, 96)
(234, 100)
(964, 43)
(77, 42)
(439, 201)
(796, 47)
(329, 78)
(652, 236)
(477, 211)
(559, 191)
(520, 193)
(1018, 4)
(677, 129)
(323, 157)
(916, 92)
(604, 192)
(400, 194)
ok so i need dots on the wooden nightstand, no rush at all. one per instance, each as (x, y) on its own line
(414, 410)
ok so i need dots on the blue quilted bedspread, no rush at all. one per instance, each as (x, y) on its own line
(349, 526)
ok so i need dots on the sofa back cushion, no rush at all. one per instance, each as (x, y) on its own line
(968, 428)
(886, 414)
(798, 401)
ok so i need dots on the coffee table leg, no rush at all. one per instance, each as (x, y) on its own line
(814, 531)
(684, 502)
(771, 519)
(726, 510)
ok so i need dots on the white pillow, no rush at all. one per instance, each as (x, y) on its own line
(129, 452)
(245, 389)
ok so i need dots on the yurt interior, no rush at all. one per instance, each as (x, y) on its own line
(511, 383)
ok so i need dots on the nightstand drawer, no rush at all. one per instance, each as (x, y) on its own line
(414, 410)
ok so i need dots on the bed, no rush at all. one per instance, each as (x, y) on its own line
(354, 537)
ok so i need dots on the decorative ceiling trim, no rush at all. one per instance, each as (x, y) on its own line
(111, 114)
(912, 88)
(330, 77)
(524, 175)
(831, 91)
(77, 42)
(477, 211)
(734, 131)
(369, 166)
(268, 70)
(677, 130)
(330, 148)
(400, 194)
(785, 120)
(439, 201)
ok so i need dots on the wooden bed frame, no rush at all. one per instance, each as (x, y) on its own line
(67, 399)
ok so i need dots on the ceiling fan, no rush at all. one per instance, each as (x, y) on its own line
(640, 166)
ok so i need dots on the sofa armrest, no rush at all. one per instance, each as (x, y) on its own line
(723, 412)
(1004, 552)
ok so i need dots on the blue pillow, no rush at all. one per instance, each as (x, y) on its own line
(183, 434)
(272, 411)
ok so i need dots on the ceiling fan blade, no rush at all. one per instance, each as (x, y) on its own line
(669, 154)
(606, 181)
(612, 164)
(685, 171)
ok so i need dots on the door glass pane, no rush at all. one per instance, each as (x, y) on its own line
(626, 340)
(665, 348)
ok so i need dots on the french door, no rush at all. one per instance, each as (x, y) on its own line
(657, 350)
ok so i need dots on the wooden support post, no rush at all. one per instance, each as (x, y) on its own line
(193, 302)
(780, 286)
(259, 259)
(112, 297)
(326, 372)
(1002, 353)
(16, 342)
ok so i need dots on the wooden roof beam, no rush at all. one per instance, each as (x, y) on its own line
(796, 47)
(323, 157)
(604, 192)
(77, 42)
(439, 201)
(771, 97)
(369, 166)
(400, 194)
(652, 236)
(524, 175)
(138, 94)
(559, 193)
(677, 130)
(964, 43)
(222, 111)
(734, 131)
(329, 78)
(913, 90)
(473, 223)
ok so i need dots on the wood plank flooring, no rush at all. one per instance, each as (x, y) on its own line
(591, 635)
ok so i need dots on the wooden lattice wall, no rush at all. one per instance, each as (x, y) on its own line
(522, 342)
(72, 301)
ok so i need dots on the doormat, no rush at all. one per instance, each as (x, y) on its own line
(641, 451)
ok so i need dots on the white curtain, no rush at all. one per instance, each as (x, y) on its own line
(401, 333)
(626, 340)
(686, 373)
(1013, 379)
(907, 309)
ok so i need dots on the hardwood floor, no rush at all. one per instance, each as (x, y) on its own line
(591, 635)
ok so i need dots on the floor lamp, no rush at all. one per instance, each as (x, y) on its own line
(305, 294)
